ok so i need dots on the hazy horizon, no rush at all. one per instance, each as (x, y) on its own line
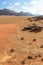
(32, 6)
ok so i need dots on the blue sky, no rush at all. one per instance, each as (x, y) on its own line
(33, 6)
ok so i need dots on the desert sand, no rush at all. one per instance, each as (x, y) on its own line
(19, 47)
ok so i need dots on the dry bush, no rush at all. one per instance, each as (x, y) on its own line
(33, 28)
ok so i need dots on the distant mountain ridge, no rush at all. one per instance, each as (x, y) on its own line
(10, 12)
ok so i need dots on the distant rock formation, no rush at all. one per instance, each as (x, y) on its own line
(10, 12)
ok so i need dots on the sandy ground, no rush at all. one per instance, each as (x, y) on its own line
(18, 47)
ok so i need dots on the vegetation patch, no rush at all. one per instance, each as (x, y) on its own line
(36, 18)
(33, 29)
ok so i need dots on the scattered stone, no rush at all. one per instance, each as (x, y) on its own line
(41, 59)
(22, 38)
(12, 50)
(30, 43)
(41, 46)
(36, 56)
(23, 62)
(39, 55)
(34, 39)
(30, 57)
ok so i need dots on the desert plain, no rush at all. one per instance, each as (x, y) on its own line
(18, 46)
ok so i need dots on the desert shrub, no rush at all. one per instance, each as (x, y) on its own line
(29, 19)
(37, 18)
(30, 57)
(33, 29)
(38, 56)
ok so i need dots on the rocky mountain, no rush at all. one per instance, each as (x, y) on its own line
(10, 12)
